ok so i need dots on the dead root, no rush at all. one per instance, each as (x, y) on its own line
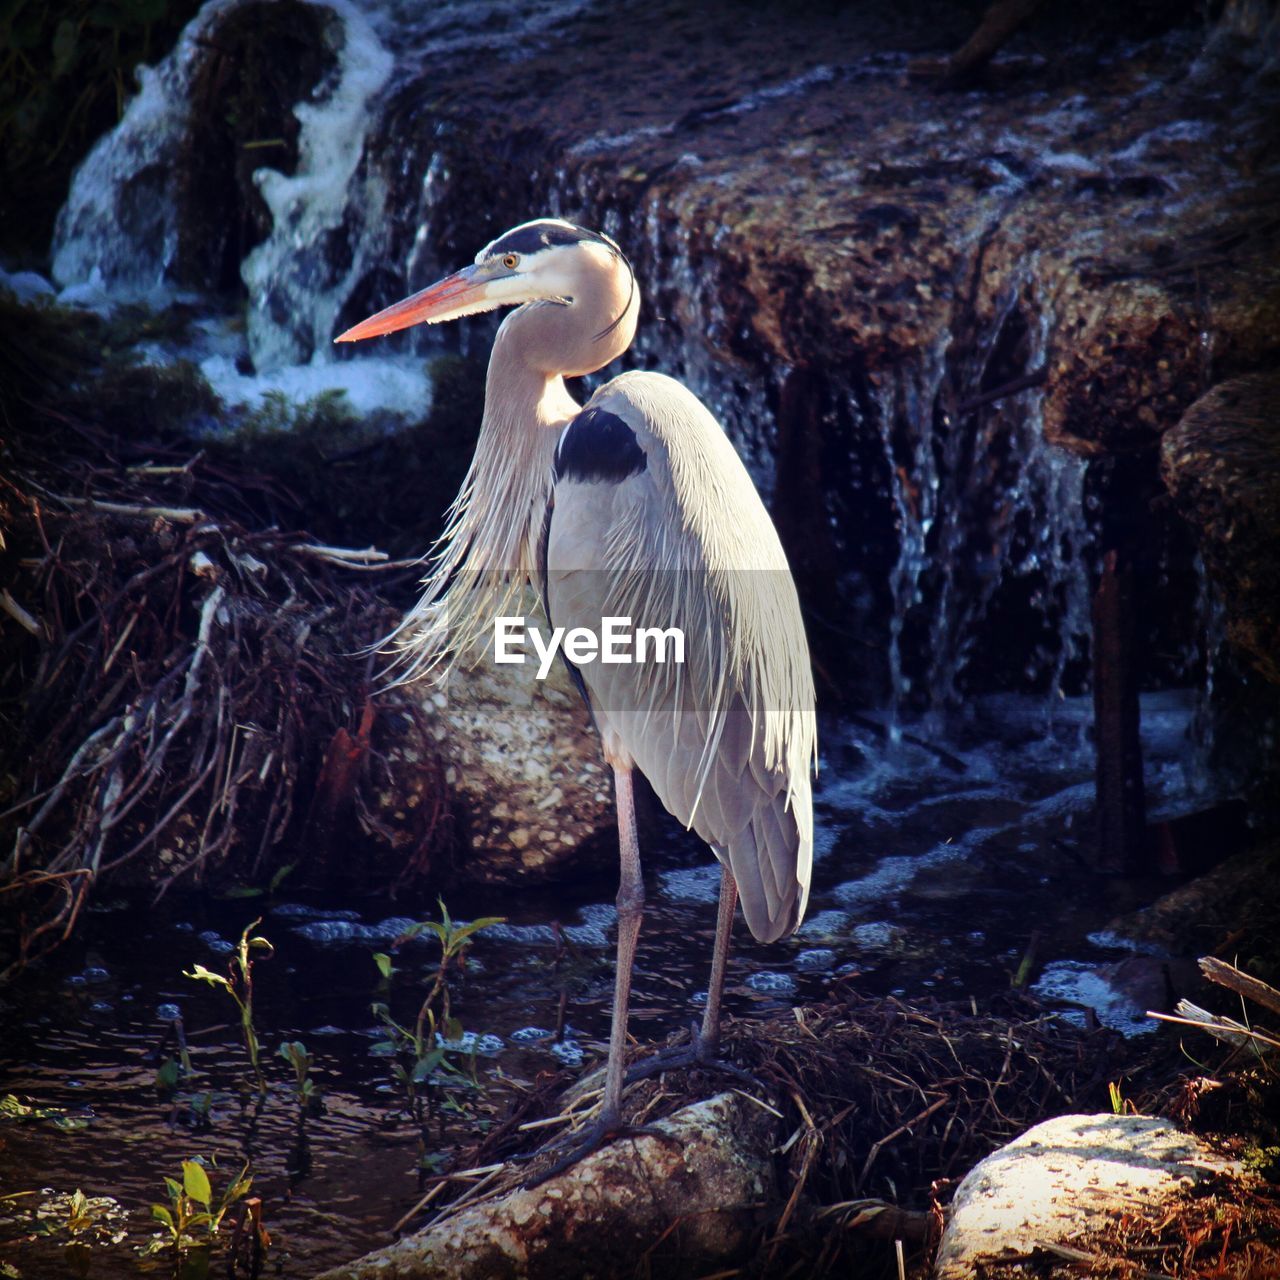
(180, 691)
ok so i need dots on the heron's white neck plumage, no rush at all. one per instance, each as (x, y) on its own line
(480, 564)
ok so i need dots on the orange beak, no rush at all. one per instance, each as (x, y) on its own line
(456, 295)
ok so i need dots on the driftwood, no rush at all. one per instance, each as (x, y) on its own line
(1243, 984)
(1228, 1030)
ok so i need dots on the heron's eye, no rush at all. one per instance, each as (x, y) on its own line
(509, 260)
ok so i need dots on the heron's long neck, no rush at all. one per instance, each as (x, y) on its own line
(497, 519)
(488, 549)
(501, 506)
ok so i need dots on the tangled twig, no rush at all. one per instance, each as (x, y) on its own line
(175, 683)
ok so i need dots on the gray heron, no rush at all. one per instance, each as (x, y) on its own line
(634, 506)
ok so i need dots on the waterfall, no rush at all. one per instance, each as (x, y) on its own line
(117, 234)
(986, 580)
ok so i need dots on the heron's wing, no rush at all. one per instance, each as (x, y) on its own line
(656, 521)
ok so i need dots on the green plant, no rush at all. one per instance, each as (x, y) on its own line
(73, 1221)
(455, 941)
(1117, 1098)
(1019, 979)
(191, 1206)
(294, 1052)
(435, 1031)
(11, 1108)
(238, 984)
(256, 890)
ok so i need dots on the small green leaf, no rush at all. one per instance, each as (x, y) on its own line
(161, 1214)
(239, 1188)
(200, 974)
(383, 961)
(466, 930)
(175, 1187)
(196, 1182)
(168, 1075)
(281, 875)
(426, 1065)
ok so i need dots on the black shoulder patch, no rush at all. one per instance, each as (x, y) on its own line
(599, 446)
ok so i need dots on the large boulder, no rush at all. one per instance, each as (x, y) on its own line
(1066, 1180)
(696, 1188)
(529, 791)
(1221, 463)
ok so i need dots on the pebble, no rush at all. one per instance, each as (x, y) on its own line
(770, 983)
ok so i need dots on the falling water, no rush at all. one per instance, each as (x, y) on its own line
(117, 235)
(329, 204)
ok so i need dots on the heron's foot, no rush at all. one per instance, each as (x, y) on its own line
(697, 1053)
(586, 1141)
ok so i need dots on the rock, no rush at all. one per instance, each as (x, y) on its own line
(599, 1217)
(1221, 463)
(891, 297)
(1240, 898)
(1067, 1178)
(521, 763)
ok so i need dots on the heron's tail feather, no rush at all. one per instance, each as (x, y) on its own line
(771, 862)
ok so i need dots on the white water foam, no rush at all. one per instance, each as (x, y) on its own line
(293, 306)
(373, 384)
(117, 236)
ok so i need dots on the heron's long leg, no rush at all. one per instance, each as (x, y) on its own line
(702, 1051)
(630, 910)
(709, 1037)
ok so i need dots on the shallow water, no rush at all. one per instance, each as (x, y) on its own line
(930, 879)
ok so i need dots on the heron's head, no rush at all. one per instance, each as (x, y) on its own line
(547, 260)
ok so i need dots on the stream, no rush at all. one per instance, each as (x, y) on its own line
(931, 877)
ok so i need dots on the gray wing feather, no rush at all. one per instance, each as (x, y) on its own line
(728, 739)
